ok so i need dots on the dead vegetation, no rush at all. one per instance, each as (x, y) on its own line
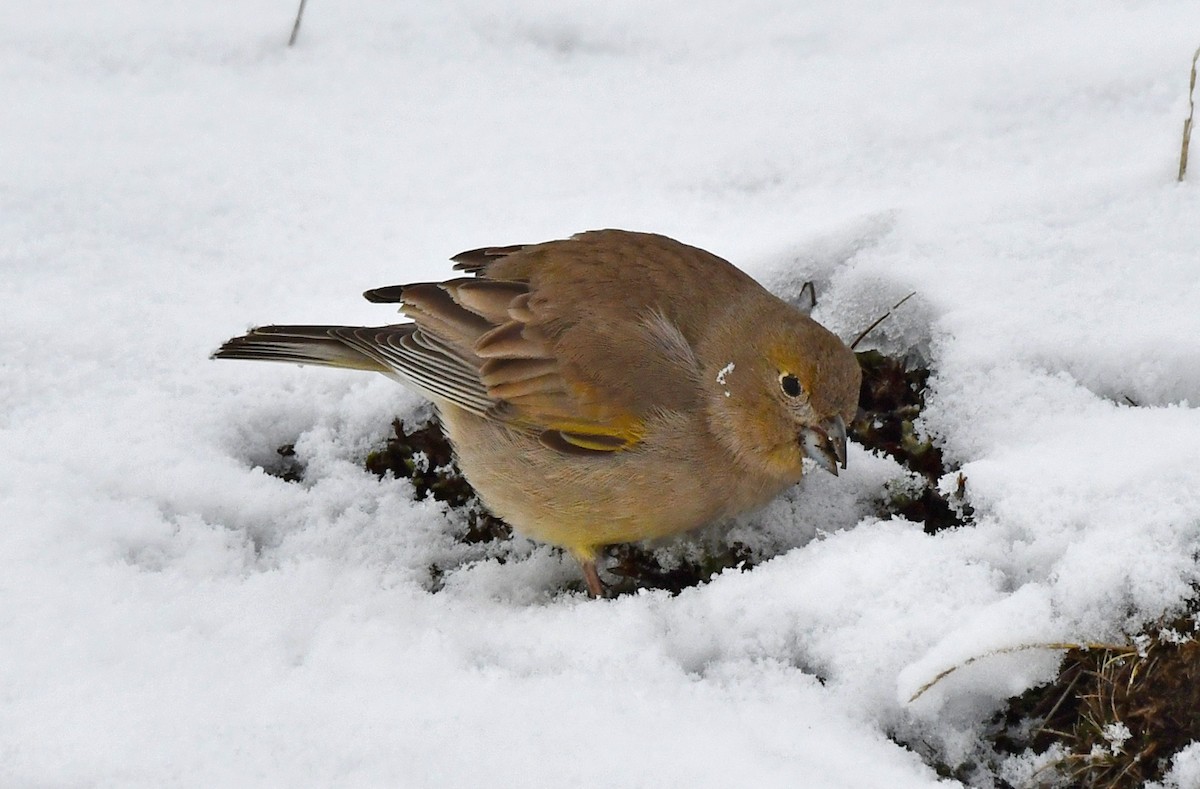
(424, 457)
(1187, 122)
(1114, 716)
(889, 404)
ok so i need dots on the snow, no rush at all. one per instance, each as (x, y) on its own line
(170, 614)
(1185, 769)
(723, 373)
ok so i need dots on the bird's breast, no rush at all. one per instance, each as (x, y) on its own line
(675, 480)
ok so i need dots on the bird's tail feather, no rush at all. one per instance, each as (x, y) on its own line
(299, 345)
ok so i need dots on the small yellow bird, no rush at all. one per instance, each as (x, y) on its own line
(606, 388)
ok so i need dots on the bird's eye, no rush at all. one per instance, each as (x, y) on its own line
(790, 385)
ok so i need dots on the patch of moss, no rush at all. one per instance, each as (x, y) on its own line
(425, 458)
(890, 400)
(638, 568)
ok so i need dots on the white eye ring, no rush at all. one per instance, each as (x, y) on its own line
(790, 385)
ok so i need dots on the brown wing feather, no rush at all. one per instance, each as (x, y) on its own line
(605, 309)
(468, 321)
(608, 303)
(514, 362)
(488, 298)
(477, 260)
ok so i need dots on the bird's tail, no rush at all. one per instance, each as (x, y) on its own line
(317, 345)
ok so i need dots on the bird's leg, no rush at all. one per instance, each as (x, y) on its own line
(590, 576)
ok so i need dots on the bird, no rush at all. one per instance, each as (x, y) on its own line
(611, 387)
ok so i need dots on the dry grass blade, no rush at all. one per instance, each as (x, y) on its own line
(1059, 645)
(296, 25)
(880, 320)
(1187, 124)
(809, 290)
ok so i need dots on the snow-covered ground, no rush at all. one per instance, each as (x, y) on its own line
(171, 173)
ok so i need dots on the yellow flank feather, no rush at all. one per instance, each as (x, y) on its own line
(610, 435)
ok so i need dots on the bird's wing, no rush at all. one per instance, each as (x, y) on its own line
(584, 339)
(624, 312)
(581, 341)
(492, 329)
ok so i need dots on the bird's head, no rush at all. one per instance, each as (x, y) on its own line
(786, 392)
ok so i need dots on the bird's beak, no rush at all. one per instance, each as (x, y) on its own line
(826, 444)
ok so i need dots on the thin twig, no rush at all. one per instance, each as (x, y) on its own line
(880, 320)
(811, 290)
(1187, 124)
(296, 26)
